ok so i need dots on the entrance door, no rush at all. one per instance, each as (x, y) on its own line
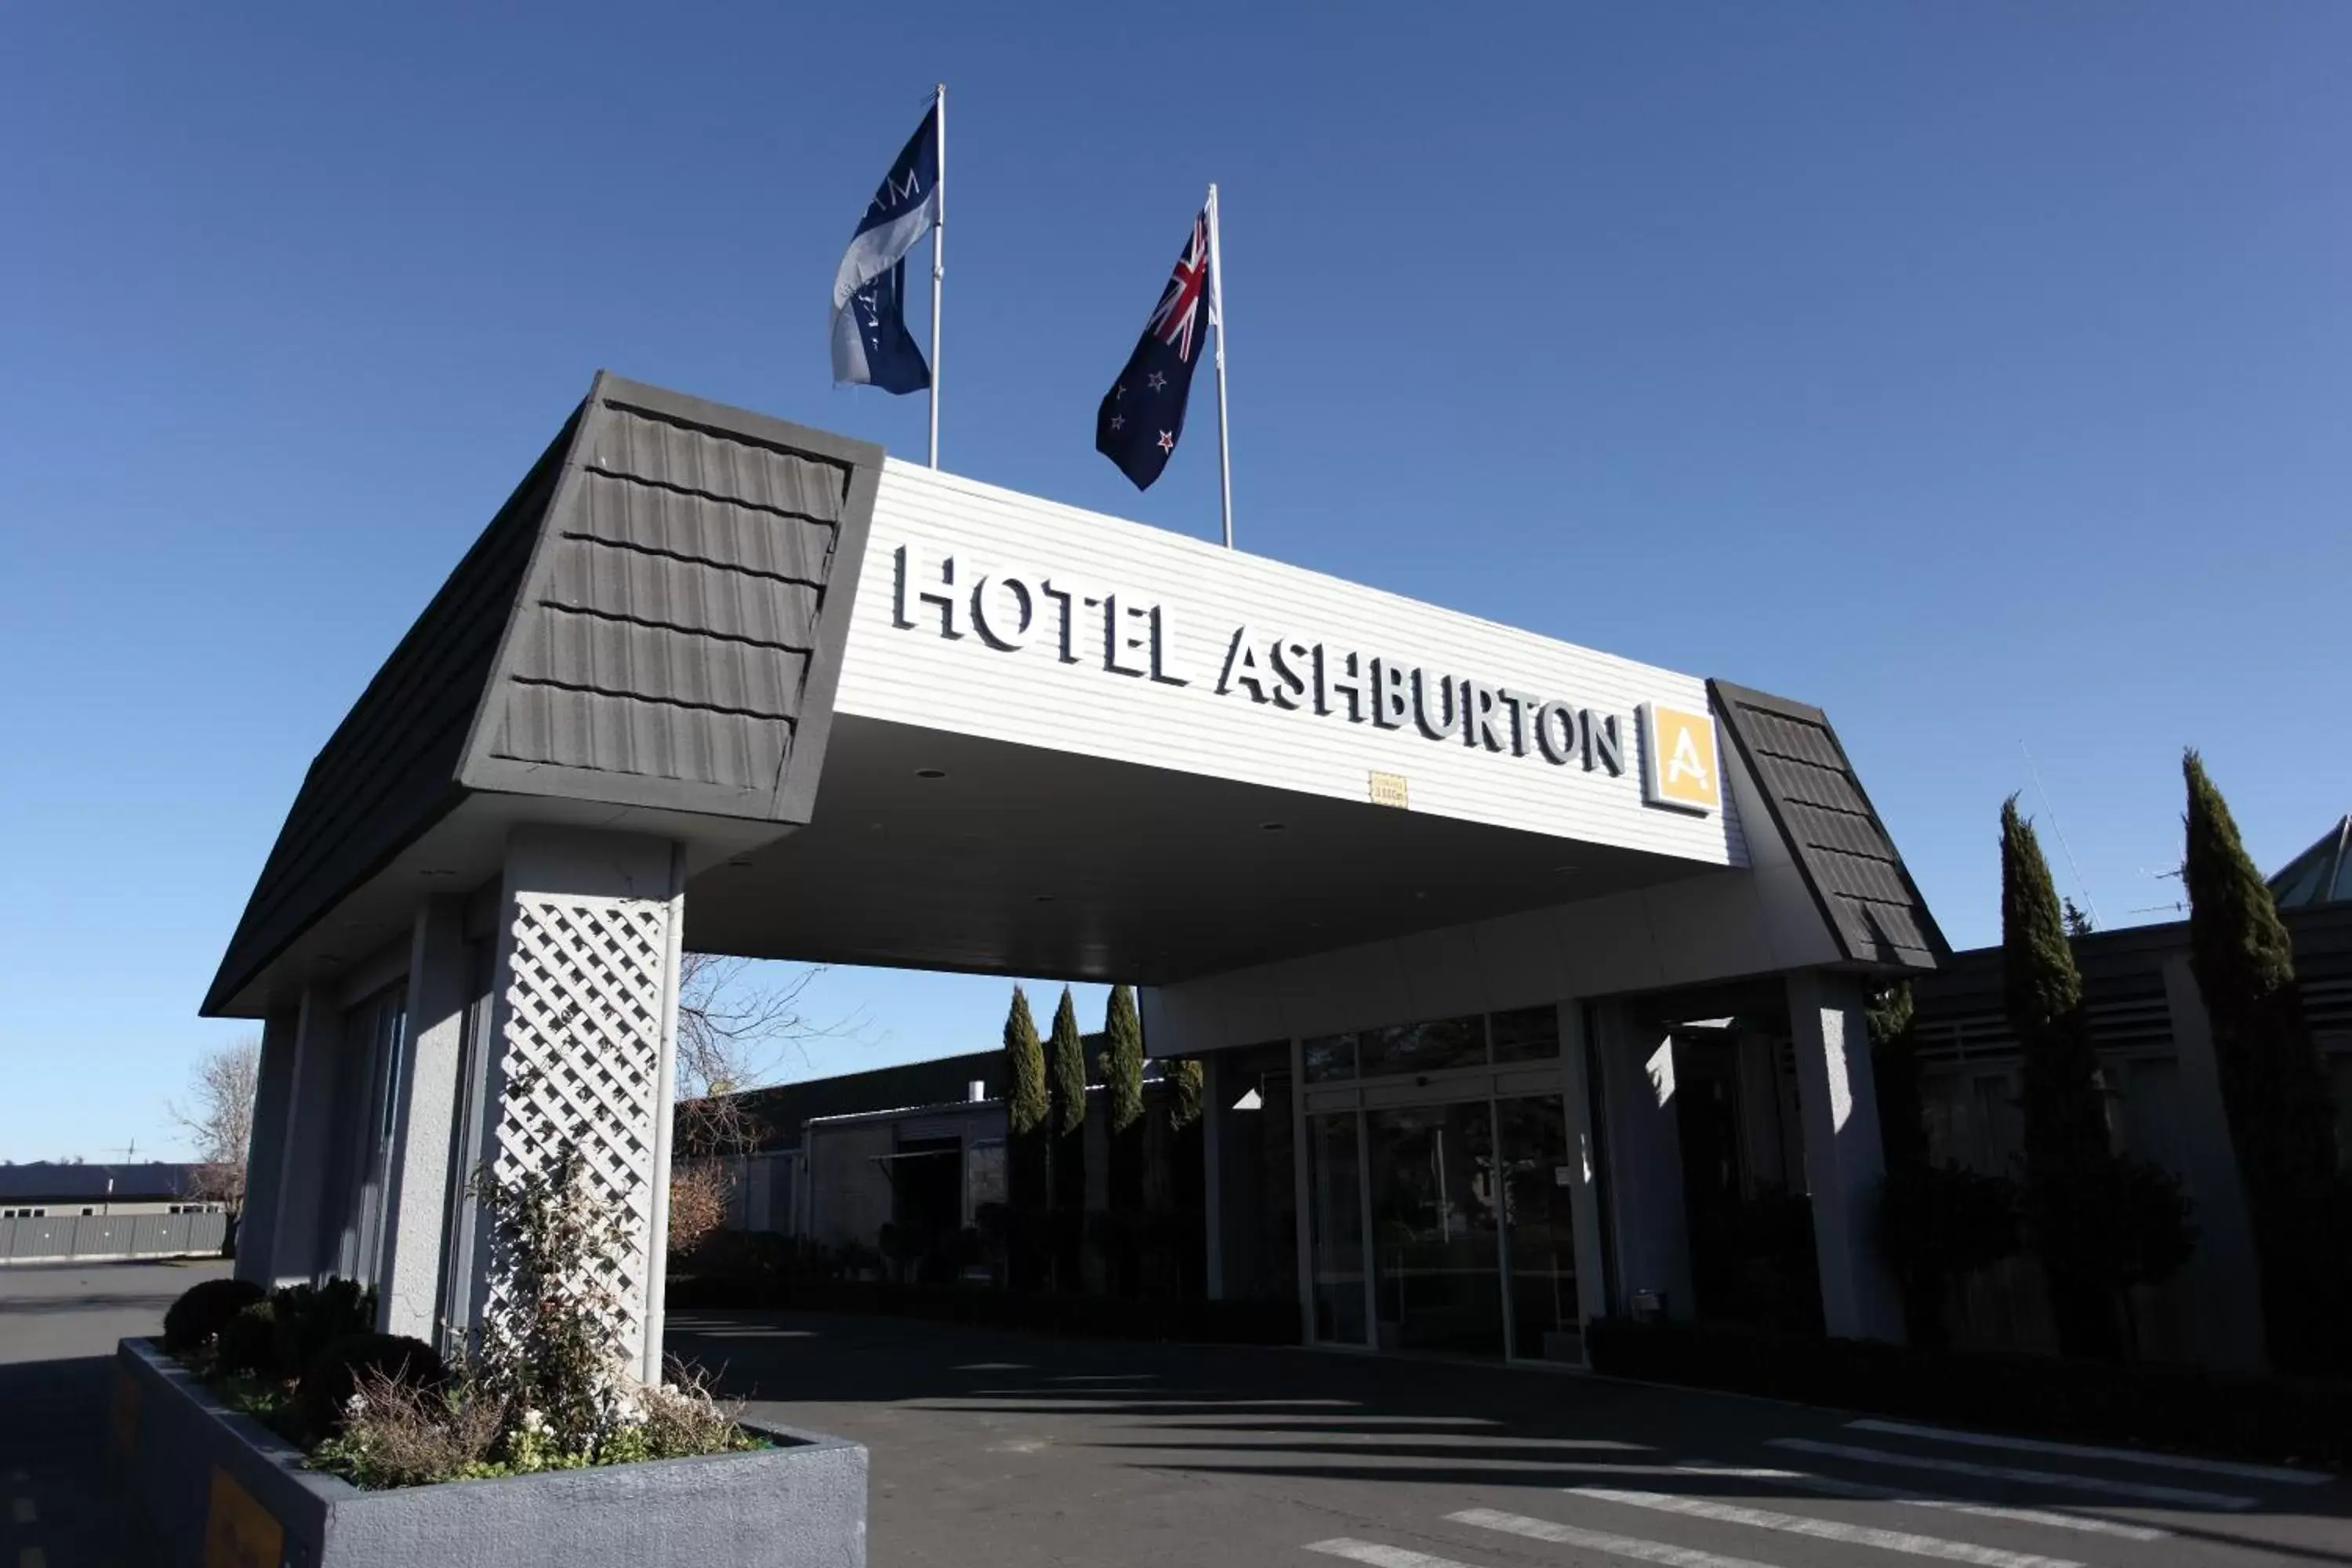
(1539, 1226)
(1436, 1255)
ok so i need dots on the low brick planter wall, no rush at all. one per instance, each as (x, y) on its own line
(201, 1485)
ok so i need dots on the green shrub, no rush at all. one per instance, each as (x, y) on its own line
(1947, 1221)
(248, 1346)
(324, 1395)
(195, 1320)
(310, 1318)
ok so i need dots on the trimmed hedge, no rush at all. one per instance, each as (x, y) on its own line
(248, 1342)
(203, 1310)
(1081, 1317)
(309, 1319)
(2185, 1408)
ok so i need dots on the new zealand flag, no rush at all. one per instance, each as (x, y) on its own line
(871, 345)
(1142, 415)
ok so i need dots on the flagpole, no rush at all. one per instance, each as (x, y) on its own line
(939, 259)
(1217, 316)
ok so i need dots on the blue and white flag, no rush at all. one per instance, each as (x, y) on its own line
(871, 345)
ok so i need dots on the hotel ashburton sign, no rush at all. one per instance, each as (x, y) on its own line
(1013, 611)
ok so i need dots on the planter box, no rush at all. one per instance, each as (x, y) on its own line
(203, 1486)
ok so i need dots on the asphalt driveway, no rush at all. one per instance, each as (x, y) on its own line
(998, 1449)
(991, 1449)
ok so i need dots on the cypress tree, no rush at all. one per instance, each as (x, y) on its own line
(1187, 1082)
(1066, 1065)
(1936, 1223)
(1895, 1068)
(1122, 1065)
(1123, 1072)
(1027, 1109)
(1123, 1060)
(2067, 1159)
(2275, 1087)
(1025, 1105)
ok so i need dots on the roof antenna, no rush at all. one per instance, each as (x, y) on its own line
(2089, 902)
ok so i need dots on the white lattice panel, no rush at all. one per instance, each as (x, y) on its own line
(581, 1062)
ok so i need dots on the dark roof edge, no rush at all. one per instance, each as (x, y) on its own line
(793, 795)
(1726, 699)
(238, 970)
(579, 428)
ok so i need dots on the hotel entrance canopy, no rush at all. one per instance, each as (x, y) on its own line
(890, 716)
(710, 681)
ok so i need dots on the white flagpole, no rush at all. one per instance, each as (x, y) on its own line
(1217, 318)
(939, 258)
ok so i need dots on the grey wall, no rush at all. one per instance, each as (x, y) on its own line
(59, 1239)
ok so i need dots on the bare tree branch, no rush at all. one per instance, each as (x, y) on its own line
(734, 1030)
(219, 1120)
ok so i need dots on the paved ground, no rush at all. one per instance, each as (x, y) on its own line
(58, 1323)
(994, 1449)
(999, 1449)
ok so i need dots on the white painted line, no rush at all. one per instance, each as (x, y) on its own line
(1910, 1498)
(2186, 1497)
(1378, 1555)
(1825, 1529)
(2280, 1473)
(1626, 1546)
(22, 1509)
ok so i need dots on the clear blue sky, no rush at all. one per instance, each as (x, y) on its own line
(1980, 372)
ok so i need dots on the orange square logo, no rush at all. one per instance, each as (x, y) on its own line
(238, 1532)
(126, 1413)
(1678, 759)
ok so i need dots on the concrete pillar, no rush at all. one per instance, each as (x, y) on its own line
(424, 1111)
(1844, 1162)
(265, 1160)
(1584, 1162)
(582, 1049)
(297, 1247)
(1214, 1091)
(2220, 1286)
(1645, 1155)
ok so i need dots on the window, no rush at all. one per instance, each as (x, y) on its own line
(1333, 1056)
(1422, 1048)
(23, 1213)
(1528, 1034)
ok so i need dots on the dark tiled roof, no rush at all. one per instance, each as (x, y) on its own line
(49, 1180)
(643, 623)
(783, 1109)
(2321, 874)
(1840, 848)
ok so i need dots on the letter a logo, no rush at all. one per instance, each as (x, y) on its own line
(1678, 759)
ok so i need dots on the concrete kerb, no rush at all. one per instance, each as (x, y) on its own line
(198, 1479)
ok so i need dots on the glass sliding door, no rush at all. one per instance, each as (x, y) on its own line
(1436, 1257)
(1336, 1199)
(1537, 1219)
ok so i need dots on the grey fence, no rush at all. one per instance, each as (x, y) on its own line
(68, 1237)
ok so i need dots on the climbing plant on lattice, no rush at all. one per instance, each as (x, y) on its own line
(580, 1067)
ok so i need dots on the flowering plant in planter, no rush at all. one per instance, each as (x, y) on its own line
(548, 1386)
